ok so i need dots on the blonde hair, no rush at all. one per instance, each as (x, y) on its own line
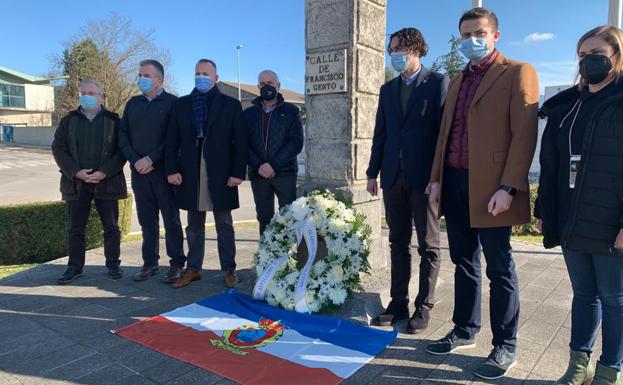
(611, 35)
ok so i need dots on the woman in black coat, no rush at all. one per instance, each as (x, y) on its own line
(580, 201)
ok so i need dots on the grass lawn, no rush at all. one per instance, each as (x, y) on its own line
(528, 238)
(7, 270)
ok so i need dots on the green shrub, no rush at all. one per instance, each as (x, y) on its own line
(37, 232)
(529, 228)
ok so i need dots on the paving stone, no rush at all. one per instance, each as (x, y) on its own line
(114, 346)
(537, 332)
(168, 370)
(79, 368)
(197, 376)
(534, 293)
(135, 380)
(37, 342)
(106, 375)
(553, 315)
(36, 364)
(8, 379)
(528, 355)
(561, 301)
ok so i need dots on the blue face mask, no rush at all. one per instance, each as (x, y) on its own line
(203, 83)
(400, 61)
(88, 102)
(145, 84)
(474, 48)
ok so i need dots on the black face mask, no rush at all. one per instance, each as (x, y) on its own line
(595, 68)
(268, 92)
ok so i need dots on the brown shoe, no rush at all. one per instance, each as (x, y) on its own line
(186, 279)
(230, 279)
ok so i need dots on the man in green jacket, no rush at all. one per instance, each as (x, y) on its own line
(91, 166)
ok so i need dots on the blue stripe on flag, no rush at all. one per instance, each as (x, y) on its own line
(329, 329)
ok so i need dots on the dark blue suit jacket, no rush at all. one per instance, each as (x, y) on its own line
(415, 132)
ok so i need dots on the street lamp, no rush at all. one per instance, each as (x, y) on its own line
(238, 52)
(614, 13)
(476, 3)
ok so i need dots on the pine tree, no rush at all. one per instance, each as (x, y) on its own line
(453, 62)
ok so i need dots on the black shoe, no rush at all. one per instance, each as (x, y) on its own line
(395, 312)
(70, 275)
(499, 362)
(419, 322)
(115, 272)
(450, 343)
(145, 273)
(173, 274)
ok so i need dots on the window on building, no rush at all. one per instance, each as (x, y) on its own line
(12, 95)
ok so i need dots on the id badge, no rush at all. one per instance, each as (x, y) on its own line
(574, 165)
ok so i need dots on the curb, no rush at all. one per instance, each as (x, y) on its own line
(244, 224)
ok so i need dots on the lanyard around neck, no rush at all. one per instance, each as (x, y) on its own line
(577, 104)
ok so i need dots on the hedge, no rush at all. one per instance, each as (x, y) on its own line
(37, 232)
(529, 228)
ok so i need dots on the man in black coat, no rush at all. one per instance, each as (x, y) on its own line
(85, 150)
(275, 139)
(142, 135)
(205, 158)
(405, 136)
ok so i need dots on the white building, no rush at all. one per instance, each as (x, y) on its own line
(25, 100)
(535, 168)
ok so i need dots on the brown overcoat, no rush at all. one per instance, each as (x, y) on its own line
(502, 134)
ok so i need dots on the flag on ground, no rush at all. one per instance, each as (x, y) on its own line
(253, 343)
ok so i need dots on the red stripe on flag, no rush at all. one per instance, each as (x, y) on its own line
(195, 347)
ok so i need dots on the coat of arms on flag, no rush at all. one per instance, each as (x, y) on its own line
(253, 343)
(250, 336)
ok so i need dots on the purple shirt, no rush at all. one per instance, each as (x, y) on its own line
(458, 152)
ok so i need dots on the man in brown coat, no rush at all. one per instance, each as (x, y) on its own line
(479, 180)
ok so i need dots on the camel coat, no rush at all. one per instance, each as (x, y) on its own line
(502, 134)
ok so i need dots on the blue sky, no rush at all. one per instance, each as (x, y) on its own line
(541, 32)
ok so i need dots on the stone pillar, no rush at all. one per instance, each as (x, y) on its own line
(340, 125)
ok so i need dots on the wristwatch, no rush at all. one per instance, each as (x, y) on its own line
(510, 190)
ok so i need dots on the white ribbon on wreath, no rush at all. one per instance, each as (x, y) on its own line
(305, 229)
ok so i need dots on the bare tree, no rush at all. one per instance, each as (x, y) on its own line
(120, 48)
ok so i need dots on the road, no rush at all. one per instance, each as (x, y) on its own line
(31, 175)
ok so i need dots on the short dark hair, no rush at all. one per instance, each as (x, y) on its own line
(411, 39)
(480, 12)
(207, 61)
(157, 65)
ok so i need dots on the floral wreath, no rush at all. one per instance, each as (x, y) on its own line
(329, 281)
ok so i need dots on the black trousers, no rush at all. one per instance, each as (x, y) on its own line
(264, 191)
(153, 196)
(405, 205)
(225, 239)
(108, 211)
(465, 246)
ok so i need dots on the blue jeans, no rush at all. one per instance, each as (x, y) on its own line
(597, 282)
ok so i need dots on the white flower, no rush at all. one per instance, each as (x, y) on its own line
(336, 275)
(337, 296)
(292, 278)
(300, 209)
(312, 303)
(319, 267)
